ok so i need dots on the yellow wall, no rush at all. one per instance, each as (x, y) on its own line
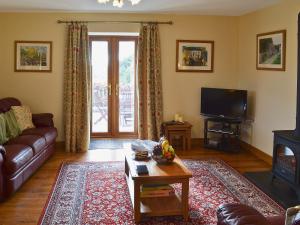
(272, 94)
(43, 92)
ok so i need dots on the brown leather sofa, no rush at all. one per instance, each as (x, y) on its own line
(239, 214)
(20, 157)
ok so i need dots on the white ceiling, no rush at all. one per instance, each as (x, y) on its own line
(200, 7)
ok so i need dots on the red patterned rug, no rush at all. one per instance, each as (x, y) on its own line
(96, 193)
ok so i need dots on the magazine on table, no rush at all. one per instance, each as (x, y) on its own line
(143, 145)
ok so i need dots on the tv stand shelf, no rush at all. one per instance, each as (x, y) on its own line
(227, 133)
(221, 130)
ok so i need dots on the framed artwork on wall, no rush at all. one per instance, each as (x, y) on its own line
(270, 50)
(33, 56)
(194, 56)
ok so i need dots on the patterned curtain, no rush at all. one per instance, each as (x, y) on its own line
(77, 99)
(150, 107)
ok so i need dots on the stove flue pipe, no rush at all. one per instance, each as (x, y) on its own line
(297, 130)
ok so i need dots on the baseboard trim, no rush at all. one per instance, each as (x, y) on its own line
(197, 142)
(257, 152)
(60, 145)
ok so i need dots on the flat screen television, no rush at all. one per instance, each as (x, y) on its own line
(224, 103)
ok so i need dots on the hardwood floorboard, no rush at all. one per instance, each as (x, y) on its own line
(25, 206)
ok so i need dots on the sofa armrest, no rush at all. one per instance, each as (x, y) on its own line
(276, 220)
(43, 120)
(239, 214)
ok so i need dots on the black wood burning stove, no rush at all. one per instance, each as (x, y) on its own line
(286, 149)
(286, 158)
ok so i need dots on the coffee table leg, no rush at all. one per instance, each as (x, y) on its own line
(137, 204)
(185, 199)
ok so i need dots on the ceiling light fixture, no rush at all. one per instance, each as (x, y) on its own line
(119, 3)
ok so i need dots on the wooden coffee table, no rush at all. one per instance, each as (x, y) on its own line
(172, 173)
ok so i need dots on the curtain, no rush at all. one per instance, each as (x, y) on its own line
(77, 99)
(150, 104)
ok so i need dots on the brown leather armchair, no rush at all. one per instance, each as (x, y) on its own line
(20, 157)
(239, 214)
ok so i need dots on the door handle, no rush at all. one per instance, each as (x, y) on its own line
(109, 89)
(117, 89)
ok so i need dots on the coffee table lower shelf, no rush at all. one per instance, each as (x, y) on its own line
(155, 206)
(161, 206)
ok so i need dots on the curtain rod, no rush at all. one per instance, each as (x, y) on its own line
(105, 21)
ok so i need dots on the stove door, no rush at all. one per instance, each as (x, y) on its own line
(285, 163)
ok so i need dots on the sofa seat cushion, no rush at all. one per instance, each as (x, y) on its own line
(36, 142)
(17, 155)
(49, 133)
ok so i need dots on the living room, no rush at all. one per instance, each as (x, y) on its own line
(272, 95)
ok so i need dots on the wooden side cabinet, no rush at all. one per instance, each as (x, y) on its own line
(172, 130)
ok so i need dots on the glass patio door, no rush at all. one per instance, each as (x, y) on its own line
(113, 86)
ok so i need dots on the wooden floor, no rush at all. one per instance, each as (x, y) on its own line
(25, 207)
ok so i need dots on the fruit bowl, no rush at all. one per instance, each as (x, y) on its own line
(162, 160)
(163, 153)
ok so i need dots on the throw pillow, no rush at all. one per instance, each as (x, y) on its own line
(23, 116)
(296, 222)
(12, 127)
(292, 216)
(3, 134)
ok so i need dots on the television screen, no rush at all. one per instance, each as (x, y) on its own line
(223, 103)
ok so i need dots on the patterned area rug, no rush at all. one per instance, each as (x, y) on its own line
(96, 193)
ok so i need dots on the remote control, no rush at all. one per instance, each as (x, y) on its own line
(142, 169)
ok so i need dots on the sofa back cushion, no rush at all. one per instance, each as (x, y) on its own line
(12, 127)
(7, 103)
(23, 116)
(3, 133)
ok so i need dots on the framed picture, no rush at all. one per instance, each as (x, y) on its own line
(194, 56)
(270, 50)
(33, 56)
